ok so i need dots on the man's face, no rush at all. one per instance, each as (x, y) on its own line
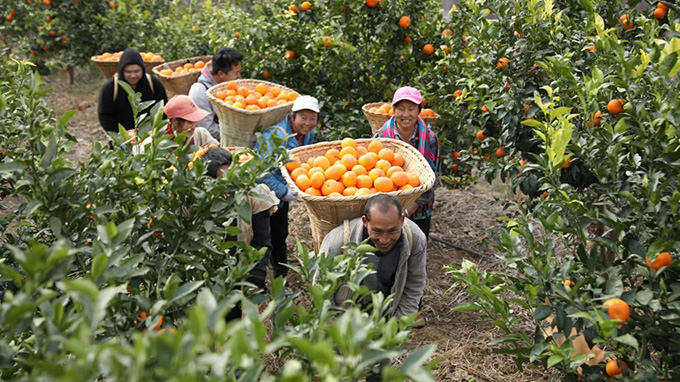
(222, 171)
(384, 228)
(233, 74)
(132, 74)
(303, 121)
(406, 114)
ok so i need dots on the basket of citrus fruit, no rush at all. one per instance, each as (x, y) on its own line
(378, 113)
(108, 62)
(178, 76)
(243, 106)
(335, 179)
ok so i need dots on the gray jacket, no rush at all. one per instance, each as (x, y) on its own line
(199, 94)
(411, 272)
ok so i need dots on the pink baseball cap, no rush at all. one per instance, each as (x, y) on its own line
(181, 106)
(407, 93)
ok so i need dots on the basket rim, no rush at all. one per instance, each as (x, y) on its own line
(220, 102)
(157, 69)
(423, 187)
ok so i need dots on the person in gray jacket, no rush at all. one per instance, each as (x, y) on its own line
(225, 66)
(399, 264)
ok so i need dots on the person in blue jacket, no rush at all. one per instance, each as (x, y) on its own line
(299, 127)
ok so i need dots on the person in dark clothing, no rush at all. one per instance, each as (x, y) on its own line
(218, 161)
(114, 107)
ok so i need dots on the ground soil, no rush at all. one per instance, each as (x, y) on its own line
(464, 217)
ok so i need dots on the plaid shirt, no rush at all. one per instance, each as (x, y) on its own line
(427, 143)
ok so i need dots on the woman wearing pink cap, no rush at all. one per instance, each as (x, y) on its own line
(407, 126)
(184, 115)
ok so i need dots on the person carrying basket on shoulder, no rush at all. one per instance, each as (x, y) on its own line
(298, 126)
(407, 126)
(225, 66)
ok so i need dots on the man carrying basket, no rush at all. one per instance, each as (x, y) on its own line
(298, 126)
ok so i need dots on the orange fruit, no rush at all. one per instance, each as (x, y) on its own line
(303, 182)
(188, 66)
(292, 96)
(386, 154)
(364, 181)
(348, 142)
(330, 186)
(615, 367)
(383, 165)
(317, 179)
(659, 13)
(627, 23)
(335, 171)
(376, 173)
(290, 166)
(405, 22)
(199, 65)
(232, 85)
(393, 169)
(349, 179)
(336, 194)
(297, 172)
(359, 170)
(167, 72)
(333, 155)
(350, 191)
(243, 91)
(662, 6)
(293, 8)
(313, 191)
(500, 152)
(306, 167)
(413, 179)
(383, 184)
(361, 150)
(617, 309)
(220, 95)
(371, 3)
(447, 32)
(239, 105)
(310, 161)
(405, 187)
(322, 162)
(480, 135)
(615, 106)
(363, 191)
(367, 161)
(262, 88)
(428, 49)
(305, 6)
(455, 154)
(252, 107)
(663, 259)
(348, 150)
(313, 170)
(349, 160)
(484, 109)
(399, 179)
(375, 146)
(251, 99)
(567, 162)
(398, 160)
(457, 93)
(502, 62)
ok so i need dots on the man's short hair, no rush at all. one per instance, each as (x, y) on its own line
(225, 59)
(216, 158)
(383, 202)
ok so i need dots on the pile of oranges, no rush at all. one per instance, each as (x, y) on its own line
(186, 68)
(262, 97)
(352, 170)
(146, 56)
(387, 108)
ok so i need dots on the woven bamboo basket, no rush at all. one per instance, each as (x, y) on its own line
(326, 213)
(238, 126)
(109, 68)
(377, 120)
(179, 84)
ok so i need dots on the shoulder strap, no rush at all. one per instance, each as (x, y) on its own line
(148, 78)
(115, 87)
(409, 236)
(346, 231)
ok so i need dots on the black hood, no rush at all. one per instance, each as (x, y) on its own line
(130, 56)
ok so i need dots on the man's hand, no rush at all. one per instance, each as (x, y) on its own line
(290, 196)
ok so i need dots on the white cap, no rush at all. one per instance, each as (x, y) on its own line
(306, 103)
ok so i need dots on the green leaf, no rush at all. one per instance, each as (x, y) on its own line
(99, 263)
(554, 360)
(50, 153)
(532, 123)
(412, 365)
(542, 312)
(12, 166)
(628, 339)
(66, 117)
(186, 289)
(83, 287)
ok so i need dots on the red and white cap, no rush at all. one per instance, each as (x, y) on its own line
(181, 106)
(407, 93)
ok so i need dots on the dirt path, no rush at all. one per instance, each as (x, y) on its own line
(467, 218)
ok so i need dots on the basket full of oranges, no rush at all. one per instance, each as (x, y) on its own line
(108, 62)
(335, 179)
(243, 106)
(378, 113)
(178, 76)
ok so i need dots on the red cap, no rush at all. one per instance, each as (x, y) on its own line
(181, 106)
